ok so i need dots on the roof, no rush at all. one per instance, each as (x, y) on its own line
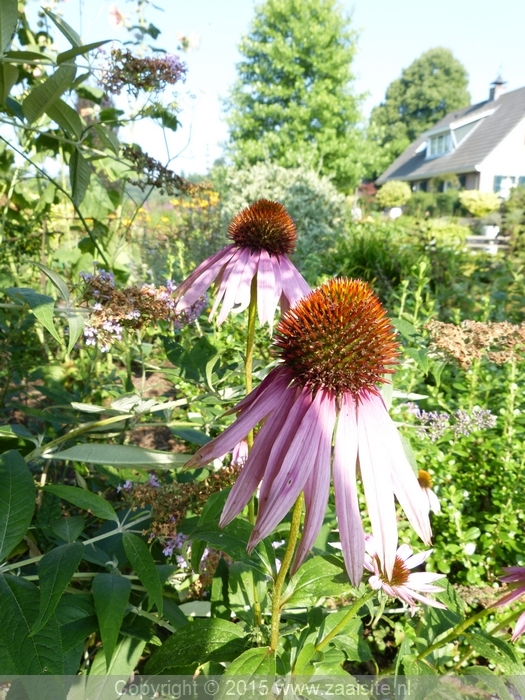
(509, 110)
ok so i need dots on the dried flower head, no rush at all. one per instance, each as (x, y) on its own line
(154, 174)
(469, 341)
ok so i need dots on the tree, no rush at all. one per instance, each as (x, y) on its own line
(292, 103)
(431, 87)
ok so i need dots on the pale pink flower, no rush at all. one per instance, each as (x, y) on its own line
(515, 576)
(335, 346)
(402, 582)
(116, 18)
(263, 235)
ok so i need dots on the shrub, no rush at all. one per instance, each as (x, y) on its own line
(421, 204)
(394, 194)
(479, 203)
(313, 202)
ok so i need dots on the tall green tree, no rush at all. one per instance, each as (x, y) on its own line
(432, 86)
(292, 103)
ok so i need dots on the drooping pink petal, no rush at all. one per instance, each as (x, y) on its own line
(295, 470)
(266, 401)
(317, 486)
(404, 481)
(279, 375)
(414, 560)
(242, 298)
(194, 286)
(253, 471)
(520, 627)
(508, 598)
(427, 601)
(230, 283)
(345, 488)
(374, 462)
(294, 285)
(266, 296)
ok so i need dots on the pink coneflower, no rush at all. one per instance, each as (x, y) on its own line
(515, 576)
(263, 236)
(401, 582)
(335, 346)
(425, 481)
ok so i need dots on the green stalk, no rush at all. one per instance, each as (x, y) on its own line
(248, 366)
(459, 629)
(349, 615)
(279, 581)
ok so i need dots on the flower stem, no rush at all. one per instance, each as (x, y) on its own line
(349, 615)
(287, 560)
(458, 629)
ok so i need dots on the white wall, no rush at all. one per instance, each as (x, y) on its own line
(508, 159)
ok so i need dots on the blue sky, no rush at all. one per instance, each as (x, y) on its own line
(484, 35)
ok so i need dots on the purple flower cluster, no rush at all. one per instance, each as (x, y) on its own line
(434, 424)
(151, 73)
(175, 543)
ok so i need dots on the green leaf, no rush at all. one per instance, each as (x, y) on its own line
(41, 305)
(197, 437)
(8, 77)
(55, 279)
(497, 652)
(8, 22)
(141, 560)
(125, 659)
(55, 570)
(76, 326)
(44, 95)
(108, 138)
(79, 50)
(233, 540)
(68, 529)
(252, 662)
(66, 117)
(79, 175)
(85, 500)
(304, 662)
(124, 456)
(28, 55)
(194, 644)
(17, 500)
(317, 578)
(174, 614)
(404, 327)
(111, 596)
(37, 654)
(15, 430)
(70, 34)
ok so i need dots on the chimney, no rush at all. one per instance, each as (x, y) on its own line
(497, 88)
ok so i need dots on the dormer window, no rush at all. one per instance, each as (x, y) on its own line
(440, 144)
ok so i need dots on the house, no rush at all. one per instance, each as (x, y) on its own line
(484, 145)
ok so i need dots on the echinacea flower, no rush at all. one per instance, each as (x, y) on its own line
(425, 481)
(263, 236)
(515, 576)
(402, 582)
(335, 347)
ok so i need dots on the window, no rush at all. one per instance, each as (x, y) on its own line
(440, 144)
(504, 183)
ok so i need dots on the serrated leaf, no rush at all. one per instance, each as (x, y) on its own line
(8, 22)
(124, 456)
(317, 578)
(41, 305)
(194, 644)
(8, 77)
(79, 51)
(76, 326)
(85, 500)
(55, 570)
(70, 34)
(19, 604)
(111, 596)
(17, 500)
(79, 176)
(44, 95)
(55, 279)
(141, 560)
(68, 529)
(66, 117)
(108, 138)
